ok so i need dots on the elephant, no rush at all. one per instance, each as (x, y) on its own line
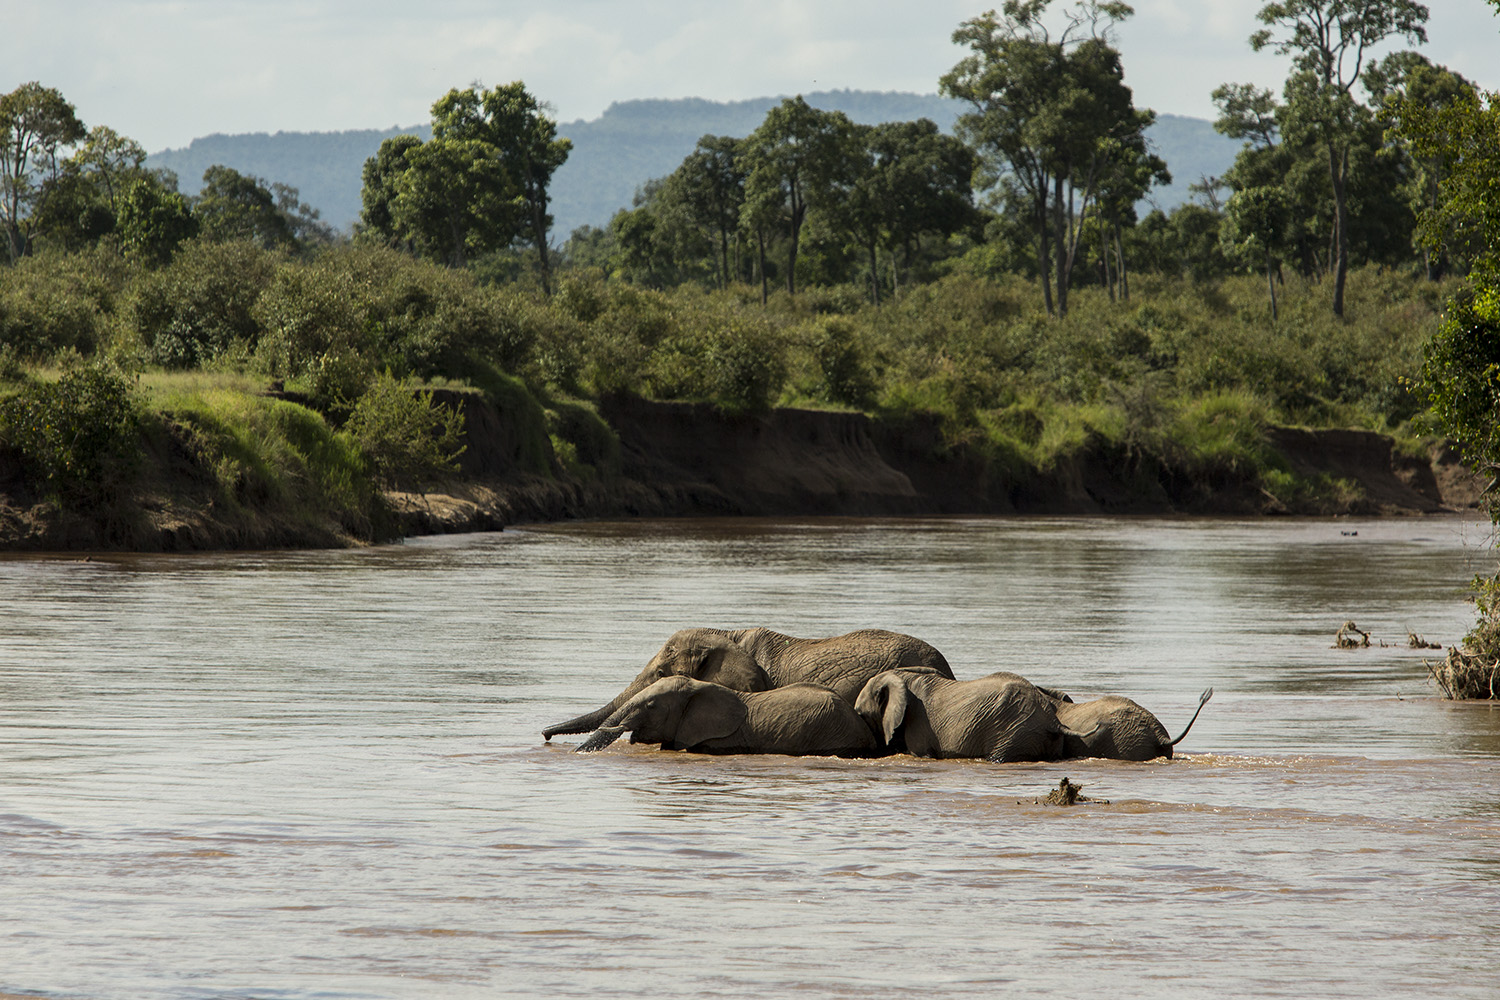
(1001, 717)
(681, 713)
(1119, 729)
(757, 659)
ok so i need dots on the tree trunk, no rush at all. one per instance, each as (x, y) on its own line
(1338, 165)
(1043, 258)
(760, 244)
(1061, 241)
(874, 275)
(1124, 274)
(1271, 284)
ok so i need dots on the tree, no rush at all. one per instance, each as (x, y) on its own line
(36, 125)
(1043, 110)
(382, 177)
(236, 206)
(1254, 231)
(710, 187)
(1407, 80)
(798, 158)
(524, 143)
(479, 184)
(153, 219)
(1329, 41)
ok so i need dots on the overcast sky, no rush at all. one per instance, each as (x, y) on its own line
(167, 71)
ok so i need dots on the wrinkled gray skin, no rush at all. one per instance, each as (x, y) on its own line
(1002, 717)
(758, 659)
(685, 714)
(1119, 729)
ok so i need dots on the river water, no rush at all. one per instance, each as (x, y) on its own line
(320, 774)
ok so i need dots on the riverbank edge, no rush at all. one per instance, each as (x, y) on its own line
(692, 459)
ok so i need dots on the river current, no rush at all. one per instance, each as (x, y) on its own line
(320, 775)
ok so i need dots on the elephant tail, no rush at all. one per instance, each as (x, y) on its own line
(1202, 700)
(600, 739)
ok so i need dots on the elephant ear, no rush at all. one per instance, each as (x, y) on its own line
(883, 704)
(728, 665)
(712, 713)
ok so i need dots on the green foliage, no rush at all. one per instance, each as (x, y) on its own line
(414, 317)
(1461, 372)
(78, 436)
(62, 302)
(274, 458)
(36, 125)
(843, 364)
(202, 304)
(408, 440)
(235, 207)
(586, 445)
(479, 185)
(153, 220)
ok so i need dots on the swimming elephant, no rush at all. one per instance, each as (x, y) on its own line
(757, 659)
(685, 714)
(1119, 729)
(1001, 717)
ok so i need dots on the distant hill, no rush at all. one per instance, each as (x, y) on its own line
(629, 144)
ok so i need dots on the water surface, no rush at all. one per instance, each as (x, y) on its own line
(320, 775)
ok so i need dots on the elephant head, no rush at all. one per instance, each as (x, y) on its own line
(685, 714)
(1119, 729)
(703, 654)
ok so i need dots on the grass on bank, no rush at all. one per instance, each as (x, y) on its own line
(1186, 375)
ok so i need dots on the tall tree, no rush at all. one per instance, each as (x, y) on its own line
(36, 125)
(1330, 41)
(710, 186)
(1407, 80)
(1042, 110)
(236, 206)
(910, 180)
(512, 122)
(799, 158)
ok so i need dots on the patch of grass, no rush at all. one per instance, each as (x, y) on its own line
(272, 456)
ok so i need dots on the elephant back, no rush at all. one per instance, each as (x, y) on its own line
(1002, 717)
(843, 663)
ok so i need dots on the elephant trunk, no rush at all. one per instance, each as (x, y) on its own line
(600, 739)
(584, 723)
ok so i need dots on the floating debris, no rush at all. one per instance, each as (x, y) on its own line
(1346, 637)
(1067, 794)
(1465, 675)
(1414, 641)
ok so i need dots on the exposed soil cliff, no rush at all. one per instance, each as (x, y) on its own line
(687, 458)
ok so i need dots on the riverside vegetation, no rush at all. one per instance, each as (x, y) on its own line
(229, 353)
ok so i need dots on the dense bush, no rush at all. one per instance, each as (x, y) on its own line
(203, 304)
(407, 438)
(78, 436)
(61, 302)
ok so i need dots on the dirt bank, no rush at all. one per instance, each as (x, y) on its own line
(691, 459)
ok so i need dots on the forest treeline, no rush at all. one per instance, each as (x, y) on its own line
(998, 278)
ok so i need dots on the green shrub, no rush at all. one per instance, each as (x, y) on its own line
(200, 305)
(79, 436)
(61, 302)
(275, 458)
(408, 440)
(582, 441)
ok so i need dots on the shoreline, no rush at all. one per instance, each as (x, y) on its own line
(693, 460)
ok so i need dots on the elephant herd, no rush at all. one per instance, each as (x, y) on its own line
(867, 693)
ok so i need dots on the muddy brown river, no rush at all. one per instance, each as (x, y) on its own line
(320, 775)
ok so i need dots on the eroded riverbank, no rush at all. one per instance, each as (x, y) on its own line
(686, 459)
